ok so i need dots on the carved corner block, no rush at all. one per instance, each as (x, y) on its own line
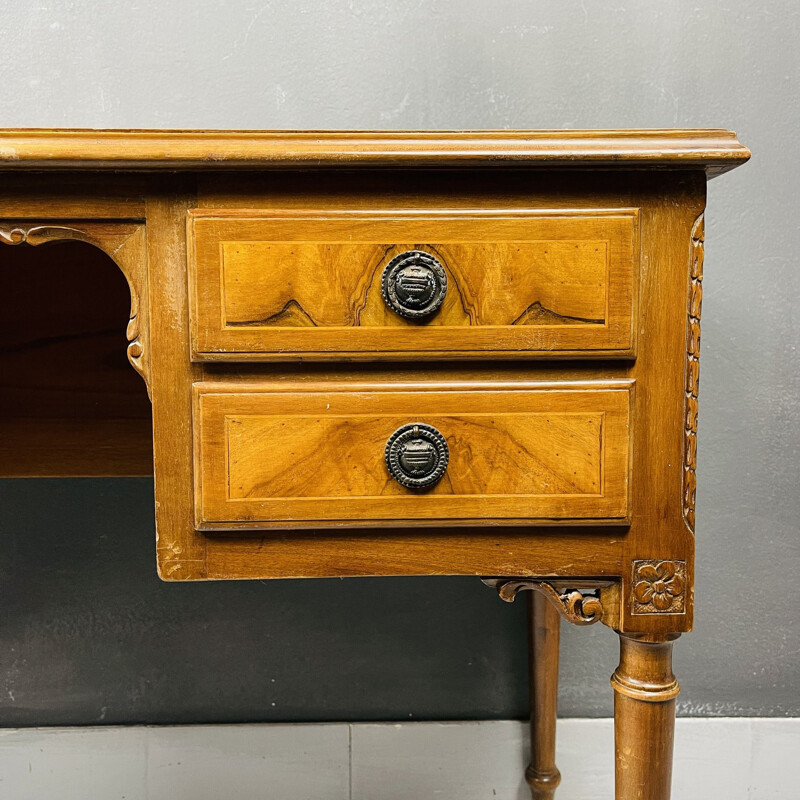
(658, 587)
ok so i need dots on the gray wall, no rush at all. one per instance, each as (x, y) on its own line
(87, 633)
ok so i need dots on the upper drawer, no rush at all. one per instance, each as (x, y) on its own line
(273, 285)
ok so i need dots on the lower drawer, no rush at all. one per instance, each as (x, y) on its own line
(322, 454)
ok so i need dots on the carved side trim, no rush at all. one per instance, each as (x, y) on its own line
(659, 587)
(693, 370)
(574, 605)
(124, 242)
(131, 256)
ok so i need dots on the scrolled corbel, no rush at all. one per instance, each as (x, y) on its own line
(578, 606)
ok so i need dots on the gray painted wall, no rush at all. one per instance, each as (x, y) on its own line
(87, 633)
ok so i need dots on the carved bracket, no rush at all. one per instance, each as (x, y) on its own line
(693, 369)
(39, 234)
(578, 606)
(124, 243)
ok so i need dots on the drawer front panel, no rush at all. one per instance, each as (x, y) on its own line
(271, 285)
(313, 455)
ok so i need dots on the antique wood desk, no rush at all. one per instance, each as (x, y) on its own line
(391, 354)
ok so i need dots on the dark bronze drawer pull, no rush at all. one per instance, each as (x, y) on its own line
(414, 284)
(417, 455)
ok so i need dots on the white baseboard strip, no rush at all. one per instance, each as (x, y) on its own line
(734, 759)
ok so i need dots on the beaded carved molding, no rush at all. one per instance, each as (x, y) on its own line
(659, 587)
(693, 370)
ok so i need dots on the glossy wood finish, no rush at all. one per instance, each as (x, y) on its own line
(713, 150)
(544, 632)
(668, 203)
(273, 285)
(271, 455)
(180, 551)
(644, 718)
(323, 210)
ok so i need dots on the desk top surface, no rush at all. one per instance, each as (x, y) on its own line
(715, 150)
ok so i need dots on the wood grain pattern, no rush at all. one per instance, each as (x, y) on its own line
(271, 286)
(86, 195)
(661, 527)
(645, 689)
(669, 203)
(277, 455)
(544, 630)
(714, 150)
(286, 262)
(181, 550)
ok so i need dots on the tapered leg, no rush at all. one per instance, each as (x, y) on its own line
(544, 627)
(644, 718)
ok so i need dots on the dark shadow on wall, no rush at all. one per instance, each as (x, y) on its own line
(89, 634)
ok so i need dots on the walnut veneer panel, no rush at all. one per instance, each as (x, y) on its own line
(525, 283)
(269, 455)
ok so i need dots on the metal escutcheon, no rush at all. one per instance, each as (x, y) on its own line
(414, 284)
(417, 455)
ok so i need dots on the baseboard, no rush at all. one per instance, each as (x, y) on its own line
(734, 759)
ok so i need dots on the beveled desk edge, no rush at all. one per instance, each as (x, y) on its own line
(715, 150)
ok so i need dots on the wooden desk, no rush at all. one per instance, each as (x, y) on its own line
(394, 354)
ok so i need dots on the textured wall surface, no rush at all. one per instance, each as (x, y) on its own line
(87, 632)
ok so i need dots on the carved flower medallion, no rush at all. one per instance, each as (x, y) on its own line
(659, 587)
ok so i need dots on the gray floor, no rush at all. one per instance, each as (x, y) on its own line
(735, 759)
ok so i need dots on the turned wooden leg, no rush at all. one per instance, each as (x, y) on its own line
(544, 627)
(644, 717)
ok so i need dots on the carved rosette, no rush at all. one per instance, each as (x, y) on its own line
(693, 370)
(658, 587)
(123, 242)
(573, 605)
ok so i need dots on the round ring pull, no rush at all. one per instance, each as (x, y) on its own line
(414, 284)
(417, 455)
